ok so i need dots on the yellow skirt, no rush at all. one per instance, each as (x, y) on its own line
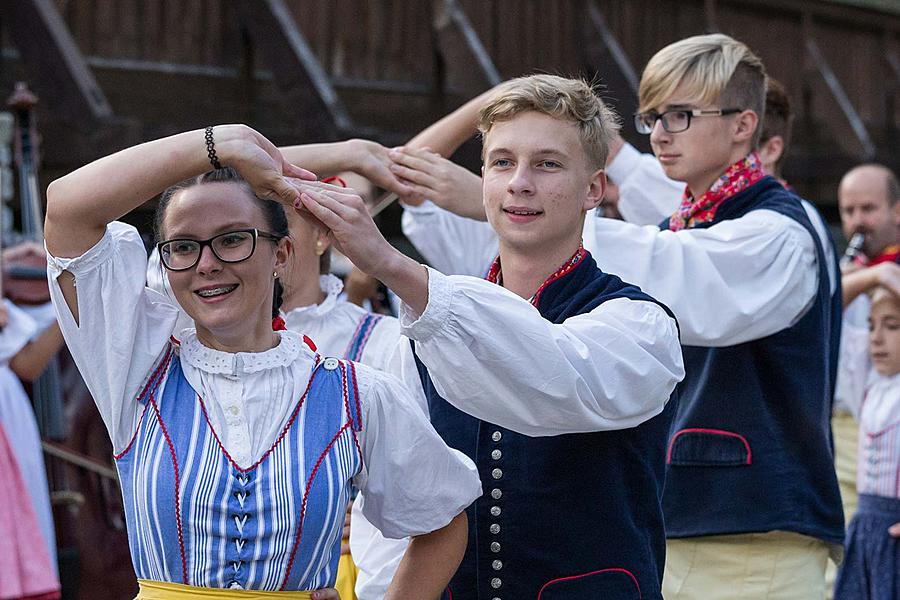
(157, 590)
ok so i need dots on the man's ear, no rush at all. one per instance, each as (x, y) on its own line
(596, 190)
(895, 210)
(771, 150)
(745, 126)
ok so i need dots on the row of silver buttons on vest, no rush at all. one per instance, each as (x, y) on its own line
(494, 528)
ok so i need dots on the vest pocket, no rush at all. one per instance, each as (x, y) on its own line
(608, 584)
(708, 448)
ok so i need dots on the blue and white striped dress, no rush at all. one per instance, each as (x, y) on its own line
(195, 517)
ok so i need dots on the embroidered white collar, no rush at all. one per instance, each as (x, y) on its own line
(332, 286)
(212, 361)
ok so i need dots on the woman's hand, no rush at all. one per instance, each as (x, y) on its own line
(259, 162)
(894, 530)
(326, 594)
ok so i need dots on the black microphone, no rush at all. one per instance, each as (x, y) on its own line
(853, 248)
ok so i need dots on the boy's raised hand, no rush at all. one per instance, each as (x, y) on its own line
(429, 176)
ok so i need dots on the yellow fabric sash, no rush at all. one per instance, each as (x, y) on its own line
(157, 590)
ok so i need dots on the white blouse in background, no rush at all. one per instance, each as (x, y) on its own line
(875, 402)
(331, 325)
(124, 328)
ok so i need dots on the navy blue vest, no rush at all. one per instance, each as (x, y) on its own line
(574, 517)
(751, 448)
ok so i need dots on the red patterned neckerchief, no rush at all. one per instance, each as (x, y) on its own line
(495, 275)
(737, 178)
(889, 254)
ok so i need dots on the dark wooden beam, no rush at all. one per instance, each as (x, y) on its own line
(467, 65)
(821, 66)
(56, 67)
(315, 106)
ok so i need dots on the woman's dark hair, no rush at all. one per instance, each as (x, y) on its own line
(276, 219)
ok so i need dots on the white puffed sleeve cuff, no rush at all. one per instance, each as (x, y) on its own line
(412, 482)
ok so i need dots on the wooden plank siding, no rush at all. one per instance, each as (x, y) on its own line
(170, 64)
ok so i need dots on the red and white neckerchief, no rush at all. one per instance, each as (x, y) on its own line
(737, 178)
(495, 274)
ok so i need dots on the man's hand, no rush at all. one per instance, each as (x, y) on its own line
(346, 216)
(24, 250)
(610, 205)
(894, 530)
(429, 176)
(344, 213)
(345, 536)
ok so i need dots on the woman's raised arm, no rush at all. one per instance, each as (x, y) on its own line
(81, 204)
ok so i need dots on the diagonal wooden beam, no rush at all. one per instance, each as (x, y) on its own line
(840, 96)
(467, 63)
(54, 61)
(622, 67)
(318, 110)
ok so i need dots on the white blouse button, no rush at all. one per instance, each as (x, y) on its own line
(331, 364)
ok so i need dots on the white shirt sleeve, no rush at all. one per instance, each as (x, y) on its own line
(122, 326)
(854, 368)
(493, 356)
(399, 444)
(19, 330)
(646, 195)
(451, 244)
(739, 280)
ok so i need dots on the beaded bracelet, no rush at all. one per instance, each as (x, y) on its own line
(211, 149)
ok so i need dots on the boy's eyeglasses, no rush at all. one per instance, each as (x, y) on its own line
(229, 247)
(676, 121)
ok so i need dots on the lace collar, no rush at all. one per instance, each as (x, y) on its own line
(212, 361)
(332, 286)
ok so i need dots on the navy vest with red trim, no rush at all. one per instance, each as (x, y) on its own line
(751, 448)
(574, 517)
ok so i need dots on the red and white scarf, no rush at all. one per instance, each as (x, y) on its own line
(736, 178)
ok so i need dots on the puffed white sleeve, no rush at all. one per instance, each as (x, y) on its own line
(646, 195)
(412, 483)
(739, 280)
(450, 243)
(18, 331)
(122, 327)
(492, 355)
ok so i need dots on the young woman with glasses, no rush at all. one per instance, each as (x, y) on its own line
(237, 445)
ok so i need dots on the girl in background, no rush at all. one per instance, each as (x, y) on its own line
(871, 568)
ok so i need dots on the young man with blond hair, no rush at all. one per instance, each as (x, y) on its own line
(551, 375)
(752, 504)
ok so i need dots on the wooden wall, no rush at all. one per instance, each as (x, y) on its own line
(171, 64)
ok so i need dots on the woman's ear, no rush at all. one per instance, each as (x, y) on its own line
(283, 252)
(323, 241)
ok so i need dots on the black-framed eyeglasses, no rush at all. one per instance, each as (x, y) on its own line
(229, 247)
(676, 121)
